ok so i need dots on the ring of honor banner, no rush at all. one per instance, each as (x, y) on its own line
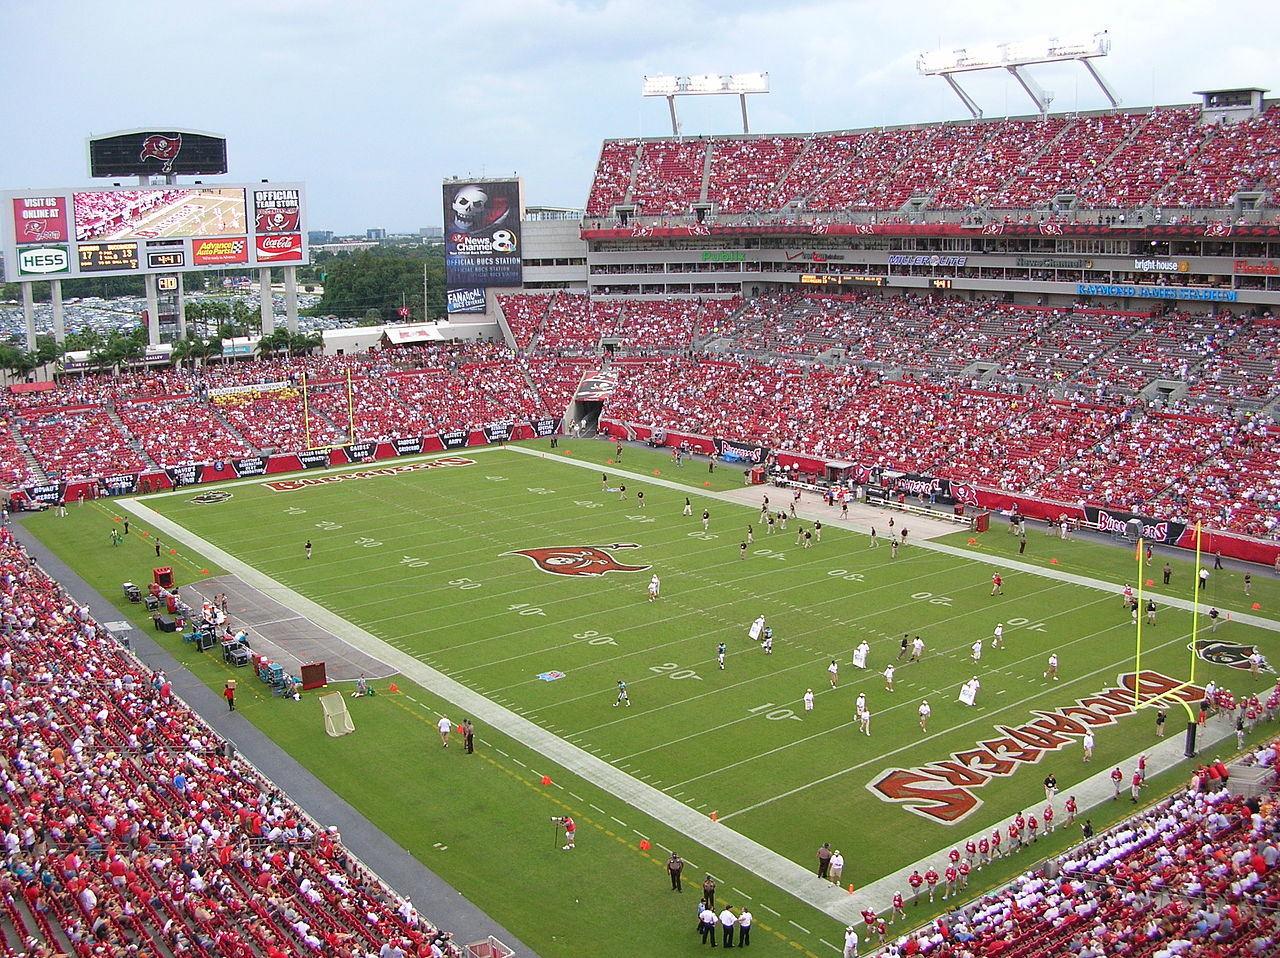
(483, 245)
(731, 451)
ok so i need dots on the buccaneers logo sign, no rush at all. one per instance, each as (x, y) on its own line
(1230, 654)
(579, 560)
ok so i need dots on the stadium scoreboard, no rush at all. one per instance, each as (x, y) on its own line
(66, 233)
(157, 153)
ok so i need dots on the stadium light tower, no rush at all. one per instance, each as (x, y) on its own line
(705, 84)
(1013, 57)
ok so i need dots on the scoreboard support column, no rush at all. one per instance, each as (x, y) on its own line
(182, 307)
(153, 311)
(291, 298)
(29, 316)
(264, 295)
(59, 317)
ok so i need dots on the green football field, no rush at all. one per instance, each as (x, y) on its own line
(428, 561)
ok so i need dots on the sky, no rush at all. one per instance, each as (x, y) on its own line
(371, 104)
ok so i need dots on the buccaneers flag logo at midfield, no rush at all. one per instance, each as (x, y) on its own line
(579, 560)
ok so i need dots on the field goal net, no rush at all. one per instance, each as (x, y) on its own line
(337, 720)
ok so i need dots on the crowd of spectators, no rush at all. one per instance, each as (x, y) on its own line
(1053, 402)
(129, 831)
(1194, 875)
(1162, 157)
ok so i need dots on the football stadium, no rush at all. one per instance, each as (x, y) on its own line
(839, 543)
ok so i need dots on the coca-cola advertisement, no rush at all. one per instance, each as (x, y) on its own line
(279, 248)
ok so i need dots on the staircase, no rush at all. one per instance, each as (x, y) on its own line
(134, 443)
(239, 436)
(33, 464)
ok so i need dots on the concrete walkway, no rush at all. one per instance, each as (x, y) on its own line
(785, 874)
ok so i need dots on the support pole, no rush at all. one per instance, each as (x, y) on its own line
(967, 100)
(265, 309)
(29, 316)
(153, 311)
(59, 315)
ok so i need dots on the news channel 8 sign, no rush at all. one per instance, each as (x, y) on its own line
(482, 234)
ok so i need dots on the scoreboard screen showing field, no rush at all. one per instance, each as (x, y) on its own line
(158, 213)
(158, 228)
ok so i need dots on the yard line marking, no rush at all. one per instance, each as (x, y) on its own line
(771, 911)
(576, 796)
(622, 823)
(801, 927)
(598, 809)
(742, 894)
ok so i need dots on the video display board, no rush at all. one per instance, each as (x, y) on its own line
(122, 231)
(482, 240)
(158, 152)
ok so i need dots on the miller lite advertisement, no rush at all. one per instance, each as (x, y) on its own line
(482, 237)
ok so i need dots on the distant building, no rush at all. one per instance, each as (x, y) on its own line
(375, 234)
(319, 236)
(431, 232)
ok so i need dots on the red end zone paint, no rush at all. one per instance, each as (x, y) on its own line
(943, 791)
(290, 485)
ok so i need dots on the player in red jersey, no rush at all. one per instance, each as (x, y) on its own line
(931, 879)
(950, 875)
(898, 910)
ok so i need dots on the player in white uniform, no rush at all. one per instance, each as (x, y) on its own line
(1052, 670)
(977, 651)
(808, 700)
(997, 640)
(925, 712)
(864, 720)
(833, 673)
(888, 677)
(654, 587)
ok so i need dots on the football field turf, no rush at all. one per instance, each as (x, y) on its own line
(524, 578)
